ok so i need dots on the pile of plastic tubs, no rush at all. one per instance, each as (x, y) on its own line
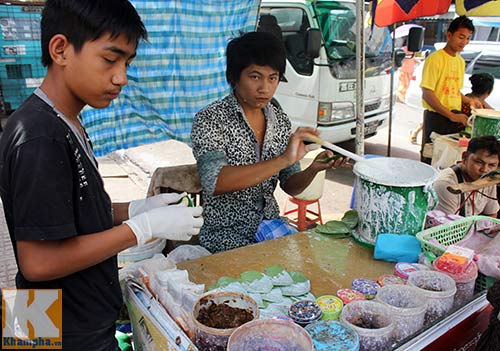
(372, 322)
(438, 290)
(407, 305)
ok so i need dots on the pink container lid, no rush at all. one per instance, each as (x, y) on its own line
(469, 274)
(388, 279)
(402, 269)
(349, 295)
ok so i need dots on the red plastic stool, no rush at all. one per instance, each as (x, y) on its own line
(302, 222)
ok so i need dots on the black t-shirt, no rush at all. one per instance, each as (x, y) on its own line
(51, 190)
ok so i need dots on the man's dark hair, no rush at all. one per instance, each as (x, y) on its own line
(258, 48)
(461, 22)
(482, 83)
(486, 142)
(87, 20)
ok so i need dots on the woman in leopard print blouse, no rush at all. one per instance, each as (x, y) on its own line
(243, 146)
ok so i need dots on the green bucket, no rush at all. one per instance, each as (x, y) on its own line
(485, 122)
(392, 195)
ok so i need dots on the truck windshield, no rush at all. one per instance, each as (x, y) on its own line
(337, 21)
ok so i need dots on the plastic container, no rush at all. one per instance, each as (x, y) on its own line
(390, 279)
(485, 122)
(436, 239)
(438, 290)
(136, 253)
(330, 335)
(350, 295)
(464, 281)
(367, 287)
(330, 305)
(403, 269)
(393, 195)
(304, 312)
(208, 338)
(270, 334)
(455, 260)
(407, 305)
(372, 322)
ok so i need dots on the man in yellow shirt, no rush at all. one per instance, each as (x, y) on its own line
(442, 80)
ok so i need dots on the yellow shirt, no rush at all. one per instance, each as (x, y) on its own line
(444, 75)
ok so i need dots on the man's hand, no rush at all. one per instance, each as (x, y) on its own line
(140, 206)
(168, 222)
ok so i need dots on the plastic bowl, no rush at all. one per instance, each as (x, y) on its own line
(438, 290)
(270, 334)
(372, 321)
(407, 305)
(208, 338)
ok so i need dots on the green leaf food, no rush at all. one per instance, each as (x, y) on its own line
(278, 275)
(258, 299)
(301, 285)
(250, 276)
(256, 282)
(351, 219)
(224, 281)
(274, 295)
(298, 277)
(328, 159)
(333, 227)
(186, 200)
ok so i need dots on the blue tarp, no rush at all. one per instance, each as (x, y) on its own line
(180, 70)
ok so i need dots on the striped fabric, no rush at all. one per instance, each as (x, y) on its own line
(178, 72)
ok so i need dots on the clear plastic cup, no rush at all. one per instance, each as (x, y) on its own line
(438, 290)
(407, 305)
(373, 323)
(208, 338)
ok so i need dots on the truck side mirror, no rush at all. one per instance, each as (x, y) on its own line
(399, 56)
(415, 39)
(313, 42)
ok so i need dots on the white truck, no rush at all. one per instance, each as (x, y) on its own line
(320, 80)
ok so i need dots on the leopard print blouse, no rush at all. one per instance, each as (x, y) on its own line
(221, 136)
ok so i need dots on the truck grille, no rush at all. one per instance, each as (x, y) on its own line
(372, 107)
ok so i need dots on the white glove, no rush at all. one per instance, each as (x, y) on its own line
(169, 222)
(139, 206)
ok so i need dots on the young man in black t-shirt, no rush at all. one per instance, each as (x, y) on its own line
(64, 229)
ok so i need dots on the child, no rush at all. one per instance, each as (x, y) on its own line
(482, 86)
(64, 229)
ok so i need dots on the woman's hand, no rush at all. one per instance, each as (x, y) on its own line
(296, 149)
(327, 159)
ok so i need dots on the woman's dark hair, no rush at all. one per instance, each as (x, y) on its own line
(482, 83)
(87, 20)
(461, 22)
(486, 142)
(258, 48)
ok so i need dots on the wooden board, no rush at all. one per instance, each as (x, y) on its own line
(330, 264)
(479, 184)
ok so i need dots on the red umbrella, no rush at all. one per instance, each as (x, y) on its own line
(388, 12)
